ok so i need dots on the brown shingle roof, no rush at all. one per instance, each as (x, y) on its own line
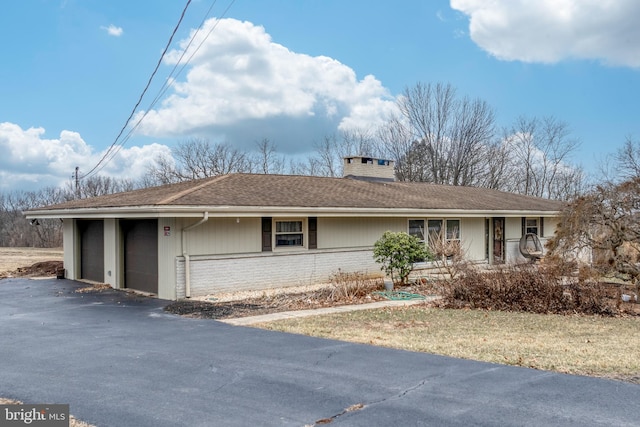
(250, 190)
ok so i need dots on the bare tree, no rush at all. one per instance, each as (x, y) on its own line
(198, 158)
(540, 150)
(627, 159)
(332, 149)
(16, 231)
(439, 137)
(98, 185)
(267, 160)
(603, 223)
(327, 156)
(309, 167)
(163, 171)
(499, 169)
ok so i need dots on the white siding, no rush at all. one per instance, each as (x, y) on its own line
(223, 236)
(472, 237)
(70, 246)
(169, 241)
(355, 232)
(513, 228)
(550, 226)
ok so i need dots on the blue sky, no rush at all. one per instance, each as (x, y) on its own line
(296, 71)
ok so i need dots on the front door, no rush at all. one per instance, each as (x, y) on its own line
(498, 240)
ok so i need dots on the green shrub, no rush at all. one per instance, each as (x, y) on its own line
(397, 253)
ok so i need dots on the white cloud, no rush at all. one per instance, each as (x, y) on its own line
(549, 31)
(31, 161)
(242, 87)
(112, 30)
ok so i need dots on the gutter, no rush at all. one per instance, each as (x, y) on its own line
(257, 211)
(187, 260)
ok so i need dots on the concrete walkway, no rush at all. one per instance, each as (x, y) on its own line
(252, 320)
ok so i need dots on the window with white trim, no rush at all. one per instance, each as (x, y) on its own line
(452, 239)
(434, 227)
(453, 230)
(532, 226)
(416, 228)
(440, 235)
(289, 233)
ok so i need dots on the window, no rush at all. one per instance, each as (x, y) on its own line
(289, 233)
(416, 228)
(435, 233)
(531, 225)
(452, 241)
(442, 236)
(453, 230)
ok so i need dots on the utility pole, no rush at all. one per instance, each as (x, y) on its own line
(77, 182)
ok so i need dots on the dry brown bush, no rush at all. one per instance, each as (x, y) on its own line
(528, 288)
(347, 286)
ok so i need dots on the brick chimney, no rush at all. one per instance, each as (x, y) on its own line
(369, 169)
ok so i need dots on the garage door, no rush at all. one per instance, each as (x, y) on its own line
(91, 250)
(141, 255)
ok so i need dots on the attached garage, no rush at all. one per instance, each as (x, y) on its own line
(250, 231)
(91, 250)
(140, 239)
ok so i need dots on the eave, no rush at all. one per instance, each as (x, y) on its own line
(167, 211)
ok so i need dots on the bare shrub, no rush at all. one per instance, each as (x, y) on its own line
(528, 289)
(351, 285)
(449, 257)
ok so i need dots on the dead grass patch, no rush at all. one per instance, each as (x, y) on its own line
(576, 344)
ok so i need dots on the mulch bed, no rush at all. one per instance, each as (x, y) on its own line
(221, 310)
(283, 302)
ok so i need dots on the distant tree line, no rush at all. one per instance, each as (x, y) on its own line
(437, 136)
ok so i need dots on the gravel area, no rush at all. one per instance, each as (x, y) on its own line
(261, 294)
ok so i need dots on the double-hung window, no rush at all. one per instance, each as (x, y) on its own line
(531, 226)
(289, 233)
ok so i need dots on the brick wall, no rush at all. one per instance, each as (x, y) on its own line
(210, 274)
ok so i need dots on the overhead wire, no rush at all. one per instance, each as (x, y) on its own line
(116, 146)
(171, 79)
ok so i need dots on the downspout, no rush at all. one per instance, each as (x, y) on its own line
(187, 260)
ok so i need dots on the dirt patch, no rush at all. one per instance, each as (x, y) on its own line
(38, 269)
(29, 262)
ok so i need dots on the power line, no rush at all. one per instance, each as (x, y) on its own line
(171, 79)
(111, 147)
(117, 146)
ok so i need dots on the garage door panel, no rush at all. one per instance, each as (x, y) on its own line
(141, 255)
(91, 250)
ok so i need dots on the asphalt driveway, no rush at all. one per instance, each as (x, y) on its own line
(119, 360)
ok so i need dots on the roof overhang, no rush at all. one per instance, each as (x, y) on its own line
(280, 211)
